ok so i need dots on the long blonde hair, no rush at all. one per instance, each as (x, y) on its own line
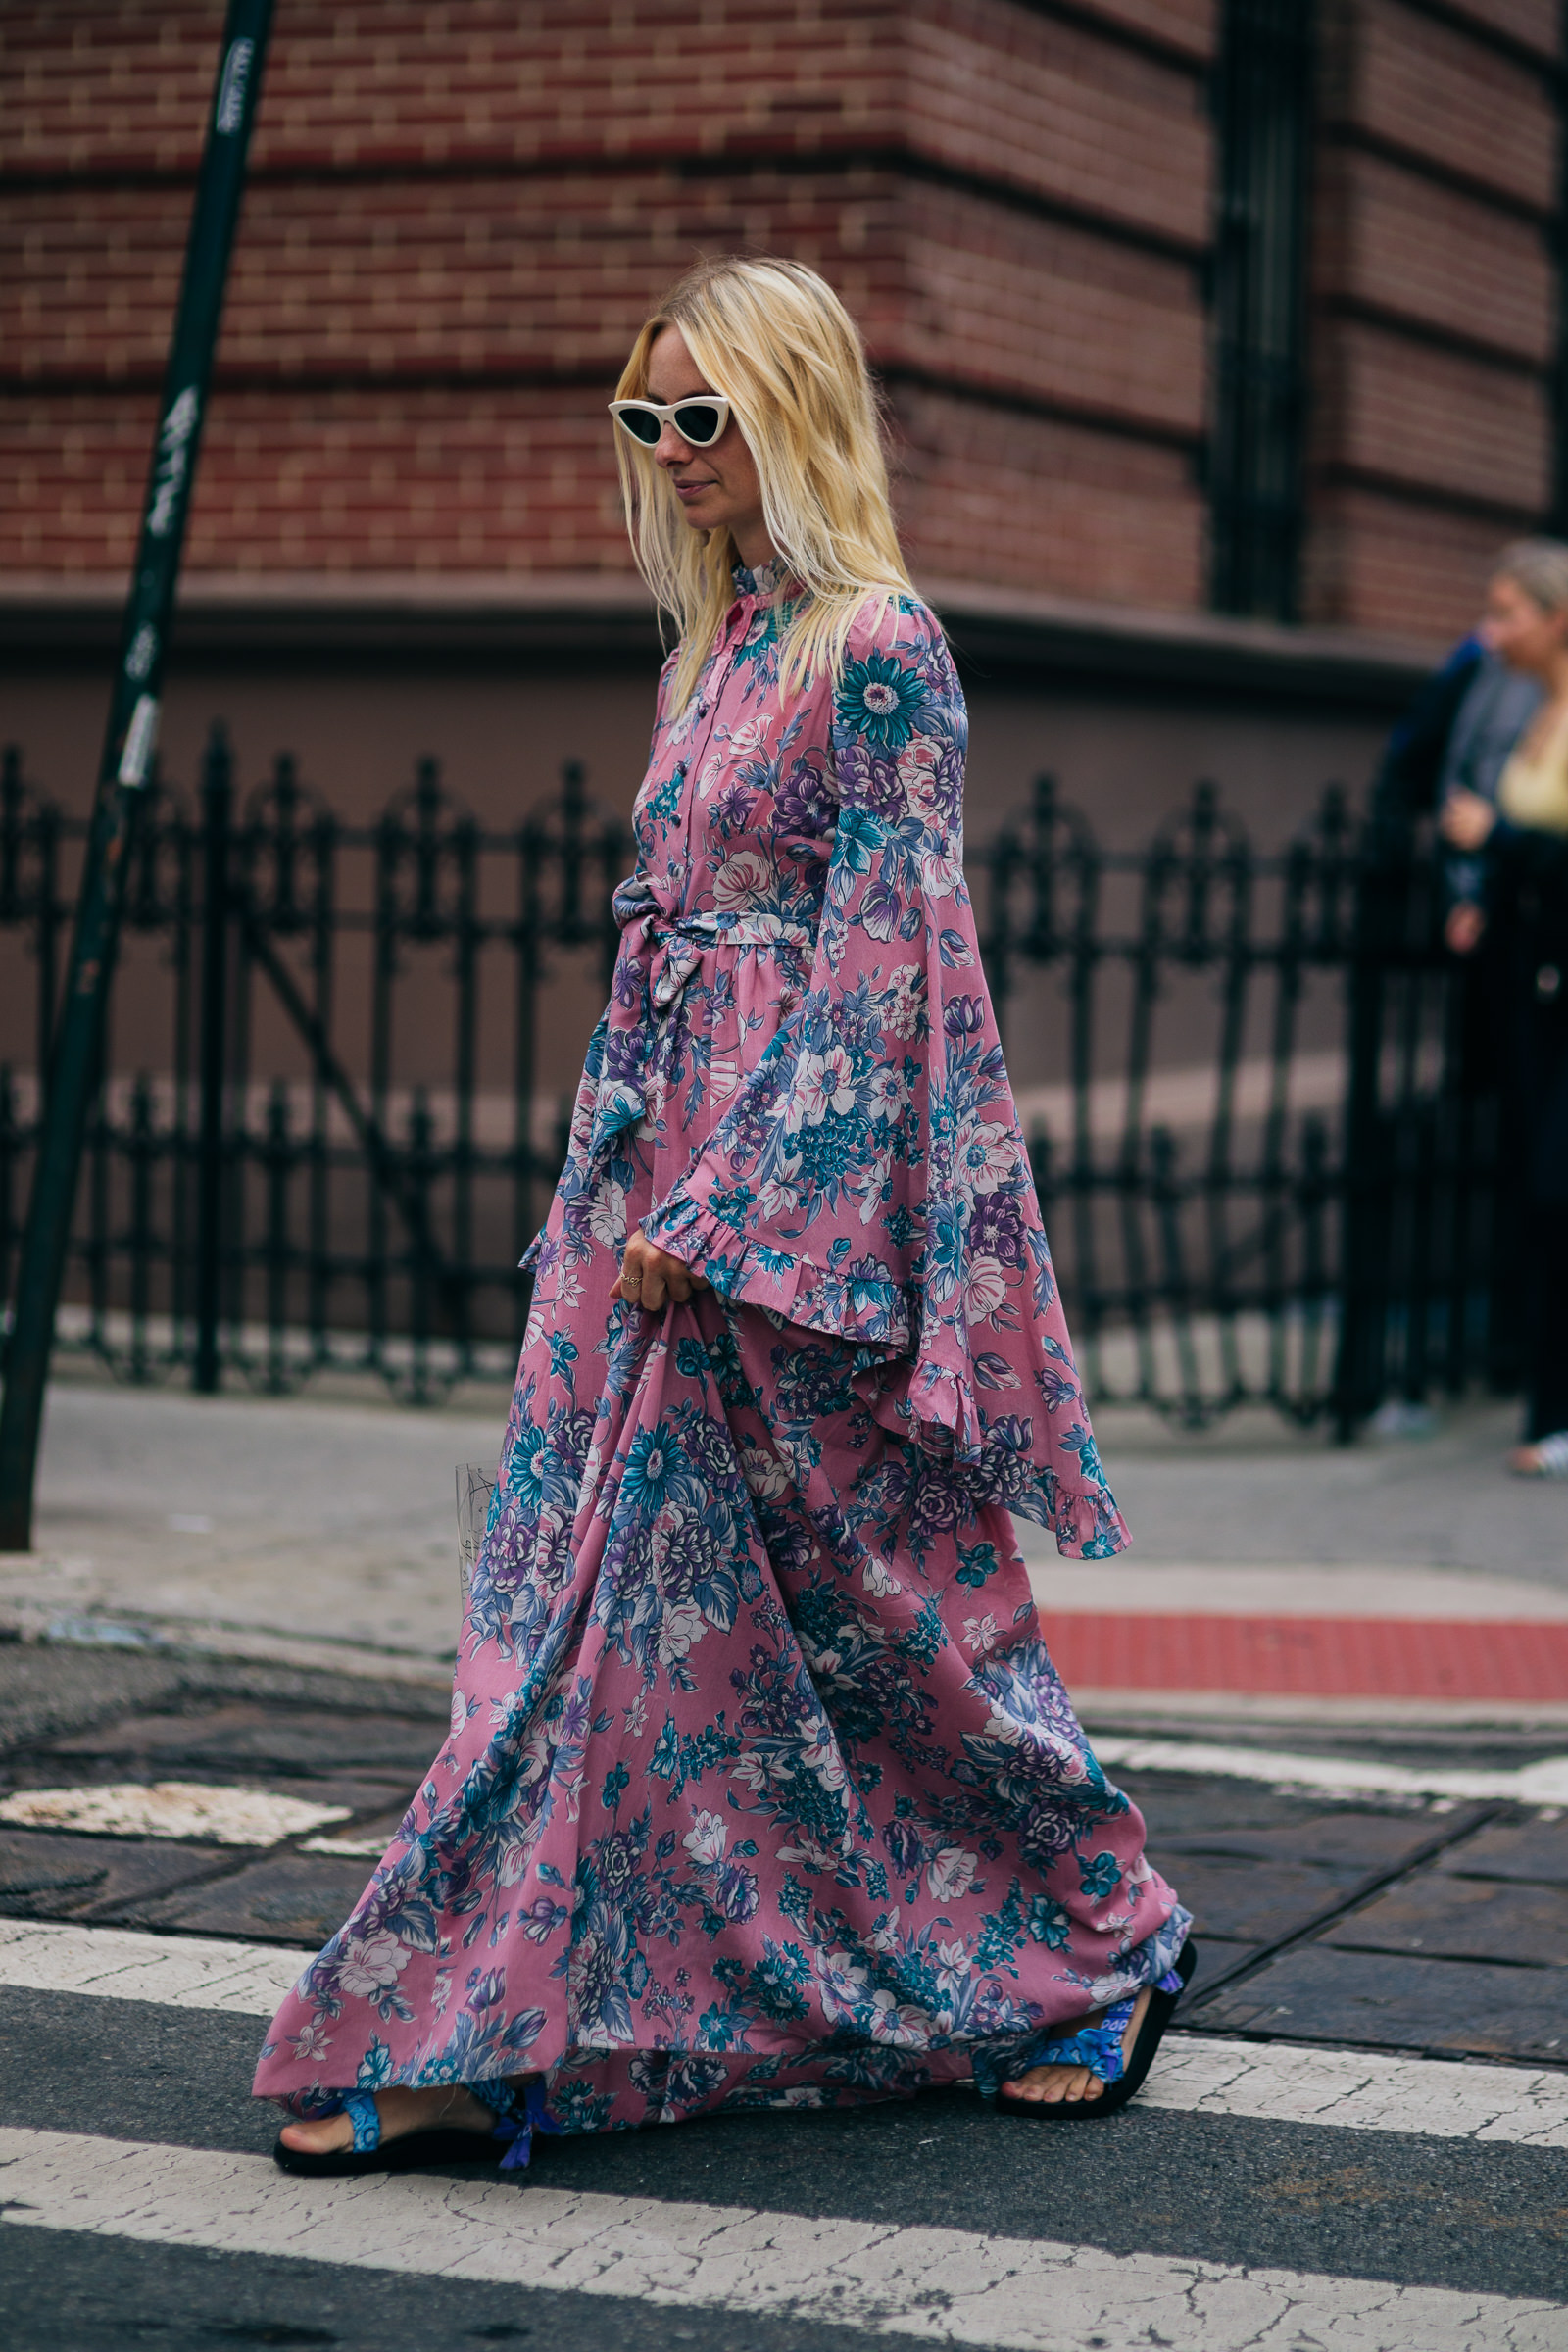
(775, 339)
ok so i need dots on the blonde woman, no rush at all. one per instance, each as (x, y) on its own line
(1523, 843)
(761, 1790)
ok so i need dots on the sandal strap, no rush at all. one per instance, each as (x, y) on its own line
(365, 2117)
(518, 2115)
(1099, 2048)
(1553, 1453)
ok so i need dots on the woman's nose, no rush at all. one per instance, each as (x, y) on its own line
(671, 449)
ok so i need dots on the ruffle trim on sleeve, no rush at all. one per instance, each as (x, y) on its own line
(1084, 1520)
(873, 1314)
(924, 1401)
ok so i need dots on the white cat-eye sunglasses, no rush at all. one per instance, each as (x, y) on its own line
(700, 420)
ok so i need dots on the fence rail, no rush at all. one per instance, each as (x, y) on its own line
(334, 1089)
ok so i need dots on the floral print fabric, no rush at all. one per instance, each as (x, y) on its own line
(760, 1787)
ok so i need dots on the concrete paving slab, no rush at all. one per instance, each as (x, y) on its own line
(44, 1876)
(1532, 1850)
(1464, 1918)
(1252, 1901)
(290, 1898)
(1543, 1781)
(182, 1809)
(246, 1738)
(1216, 1954)
(1315, 1993)
(257, 1798)
(1203, 1808)
(364, 1841)
(1351, 1844)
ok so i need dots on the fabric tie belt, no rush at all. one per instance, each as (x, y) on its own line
(668, 950)
(675, 945)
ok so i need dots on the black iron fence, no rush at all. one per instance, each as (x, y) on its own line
(334, 1091)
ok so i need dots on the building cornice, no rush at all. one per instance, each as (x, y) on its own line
(998, 634)
(321, 618)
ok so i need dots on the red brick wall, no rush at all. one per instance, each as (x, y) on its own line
(459, 213)
(1434, 304)
(458, 217)
(1054, 108)
(1049, 504)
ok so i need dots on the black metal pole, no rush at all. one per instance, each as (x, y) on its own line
(1381, 894)
(216, 799)
(127, 754)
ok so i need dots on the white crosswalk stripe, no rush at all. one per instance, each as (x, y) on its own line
(182, 1972)
(940, 2287)
(1196, 2073)
(1285, 2082)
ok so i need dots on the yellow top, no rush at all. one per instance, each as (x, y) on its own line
(1533, 789)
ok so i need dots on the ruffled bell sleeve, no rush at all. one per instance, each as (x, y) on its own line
(870, 1178)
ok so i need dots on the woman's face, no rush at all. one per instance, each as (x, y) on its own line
(717, 487)
(1521, 632)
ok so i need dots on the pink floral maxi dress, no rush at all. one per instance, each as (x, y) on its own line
(761, 1788)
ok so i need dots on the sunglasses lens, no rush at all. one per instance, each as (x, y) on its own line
(698, 421)
(642, 424)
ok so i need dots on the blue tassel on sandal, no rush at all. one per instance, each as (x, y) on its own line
(517, 2115)
(518, 2118)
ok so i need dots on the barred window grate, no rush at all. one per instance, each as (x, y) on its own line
(1264, 124)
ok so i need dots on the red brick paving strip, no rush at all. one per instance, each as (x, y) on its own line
(1323, 1657)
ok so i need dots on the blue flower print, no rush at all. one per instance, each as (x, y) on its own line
(979, 1560)
(1049, 1924)
(654, 1464)
(878, 699)
(525, 1468)
(1101, 1877)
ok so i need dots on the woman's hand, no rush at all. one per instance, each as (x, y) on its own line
(1464, 927)
(1465, 820)
(648, 1275)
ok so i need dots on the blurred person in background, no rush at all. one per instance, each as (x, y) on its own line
(1456, 737)
(1514, 840)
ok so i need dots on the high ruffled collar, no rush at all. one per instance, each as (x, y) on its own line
(765, 582)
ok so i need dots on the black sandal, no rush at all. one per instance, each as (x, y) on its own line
(517, 2117)
(1100, 2047)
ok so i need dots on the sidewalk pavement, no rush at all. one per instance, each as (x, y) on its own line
(1270, 1569)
